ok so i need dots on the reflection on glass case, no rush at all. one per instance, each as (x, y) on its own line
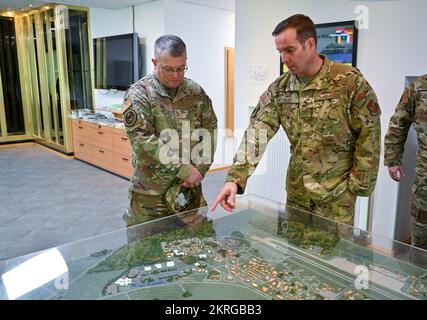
(263, 250)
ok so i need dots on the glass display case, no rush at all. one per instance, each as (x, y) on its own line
(54, 59)
(263, 250)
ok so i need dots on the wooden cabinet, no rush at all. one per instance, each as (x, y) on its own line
(103, 146)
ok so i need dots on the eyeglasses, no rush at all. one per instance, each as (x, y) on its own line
(170, 70)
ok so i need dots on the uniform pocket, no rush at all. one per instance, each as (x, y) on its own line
(141, 200)
(290, 117)
(329, 113)
(325, 188)
(160, 120)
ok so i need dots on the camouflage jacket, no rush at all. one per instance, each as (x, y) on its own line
(149, 112)
(411, 109)
(333, 125)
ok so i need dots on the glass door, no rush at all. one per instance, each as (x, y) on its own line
(12, 119)
(55, 112)
(78, 61)
(54, 52)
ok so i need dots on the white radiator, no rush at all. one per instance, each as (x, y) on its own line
(268, 180)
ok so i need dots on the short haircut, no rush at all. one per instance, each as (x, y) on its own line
(170, 44)
(303, 26)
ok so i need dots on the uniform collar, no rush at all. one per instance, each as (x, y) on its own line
(319, 82)
(161, 90)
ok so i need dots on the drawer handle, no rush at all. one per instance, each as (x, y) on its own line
(100, 132)
(80, 127)
(124, 139)
(81, 144)
(101, 151)
(125, 159)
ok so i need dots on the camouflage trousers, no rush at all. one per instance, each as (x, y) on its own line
(419, 214)
(143, 207)
(340, 209)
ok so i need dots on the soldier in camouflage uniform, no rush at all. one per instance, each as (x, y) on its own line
(164, 183)
(412, 109)
(332, 119)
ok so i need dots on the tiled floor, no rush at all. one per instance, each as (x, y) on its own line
(47, 199)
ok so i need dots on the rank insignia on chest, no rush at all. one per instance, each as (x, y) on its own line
(179, 114)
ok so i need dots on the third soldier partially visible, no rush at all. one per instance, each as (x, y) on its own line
(412, 109)
(171, 126)
(332, 118)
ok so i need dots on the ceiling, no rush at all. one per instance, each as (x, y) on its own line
(22, 5)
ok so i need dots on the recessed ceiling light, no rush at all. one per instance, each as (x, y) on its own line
(30, 5)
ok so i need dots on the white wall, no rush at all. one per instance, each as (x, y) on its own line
(206, 32)
(149, 24)
(394, 46)
(106, 22)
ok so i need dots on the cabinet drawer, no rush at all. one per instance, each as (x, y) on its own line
(121, 145)
(122, 161)
(119, 132)
(103, 146)
(87, 123)
(82, 150)
(81, 132)
(103, 127)
(102, 157)
(102, 138)
(124, 172)
(93, 134)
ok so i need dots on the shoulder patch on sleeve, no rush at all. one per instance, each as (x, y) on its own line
(373, 108)
(264, 99)
(404, 99)
(130, 117)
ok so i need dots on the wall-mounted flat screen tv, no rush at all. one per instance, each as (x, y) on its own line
(116, 61)
(338, 41)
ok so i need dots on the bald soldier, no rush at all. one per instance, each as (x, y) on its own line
(411, 109)
(331, 116)
(171, 126)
